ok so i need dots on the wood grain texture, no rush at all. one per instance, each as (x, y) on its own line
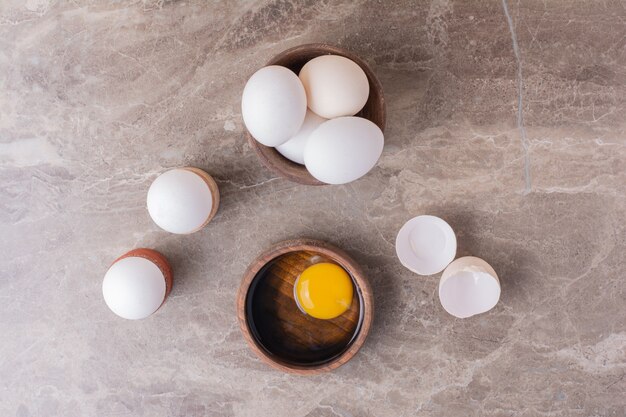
(159, 260)
(279, 333)
(294, 59)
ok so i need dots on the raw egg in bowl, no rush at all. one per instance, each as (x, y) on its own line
(298, 331)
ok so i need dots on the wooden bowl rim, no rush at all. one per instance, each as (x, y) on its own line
(270, 157)
(333, 253)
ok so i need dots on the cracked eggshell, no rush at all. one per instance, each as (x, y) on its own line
(273, 105)
(426, 244)
(293, 149)
(344, 149)
(469, 286)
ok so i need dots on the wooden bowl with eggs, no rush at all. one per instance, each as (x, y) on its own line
(294, 59)
(279, 332)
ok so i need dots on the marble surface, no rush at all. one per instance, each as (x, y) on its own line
(505, 118)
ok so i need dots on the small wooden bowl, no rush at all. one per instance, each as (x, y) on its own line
(294, 59)
(278, 332)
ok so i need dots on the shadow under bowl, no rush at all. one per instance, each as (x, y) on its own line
(294, 59)
(278, 332)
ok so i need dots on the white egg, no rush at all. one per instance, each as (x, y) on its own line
(293, 149)
(426, 245)
(342, 150)
(273, 105)
(181, 201)
(335, 86)
(134, 288)
(469, 286)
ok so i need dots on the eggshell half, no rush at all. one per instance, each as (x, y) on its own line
(426, 244)
(344, 149)
(273, 105)
(469, 286)
(335, 86)
(134, 287)
(293, 149)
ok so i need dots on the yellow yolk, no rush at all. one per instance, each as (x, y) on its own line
(324, 291)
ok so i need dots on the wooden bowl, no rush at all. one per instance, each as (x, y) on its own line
(278, 332)
(294, 59)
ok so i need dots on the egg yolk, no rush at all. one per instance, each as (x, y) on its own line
(324, 291)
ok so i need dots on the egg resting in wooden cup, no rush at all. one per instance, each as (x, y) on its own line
(215, 193)
(183, 200)
(137, 284)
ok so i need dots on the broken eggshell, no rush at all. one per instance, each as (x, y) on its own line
(469, 286)
(426, 245)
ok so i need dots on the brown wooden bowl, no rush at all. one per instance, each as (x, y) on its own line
(278, 332)
(294, 59)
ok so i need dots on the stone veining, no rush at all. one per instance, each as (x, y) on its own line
(84, 131)
(520, 102)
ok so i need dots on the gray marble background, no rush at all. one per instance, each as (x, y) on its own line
(511, 127)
